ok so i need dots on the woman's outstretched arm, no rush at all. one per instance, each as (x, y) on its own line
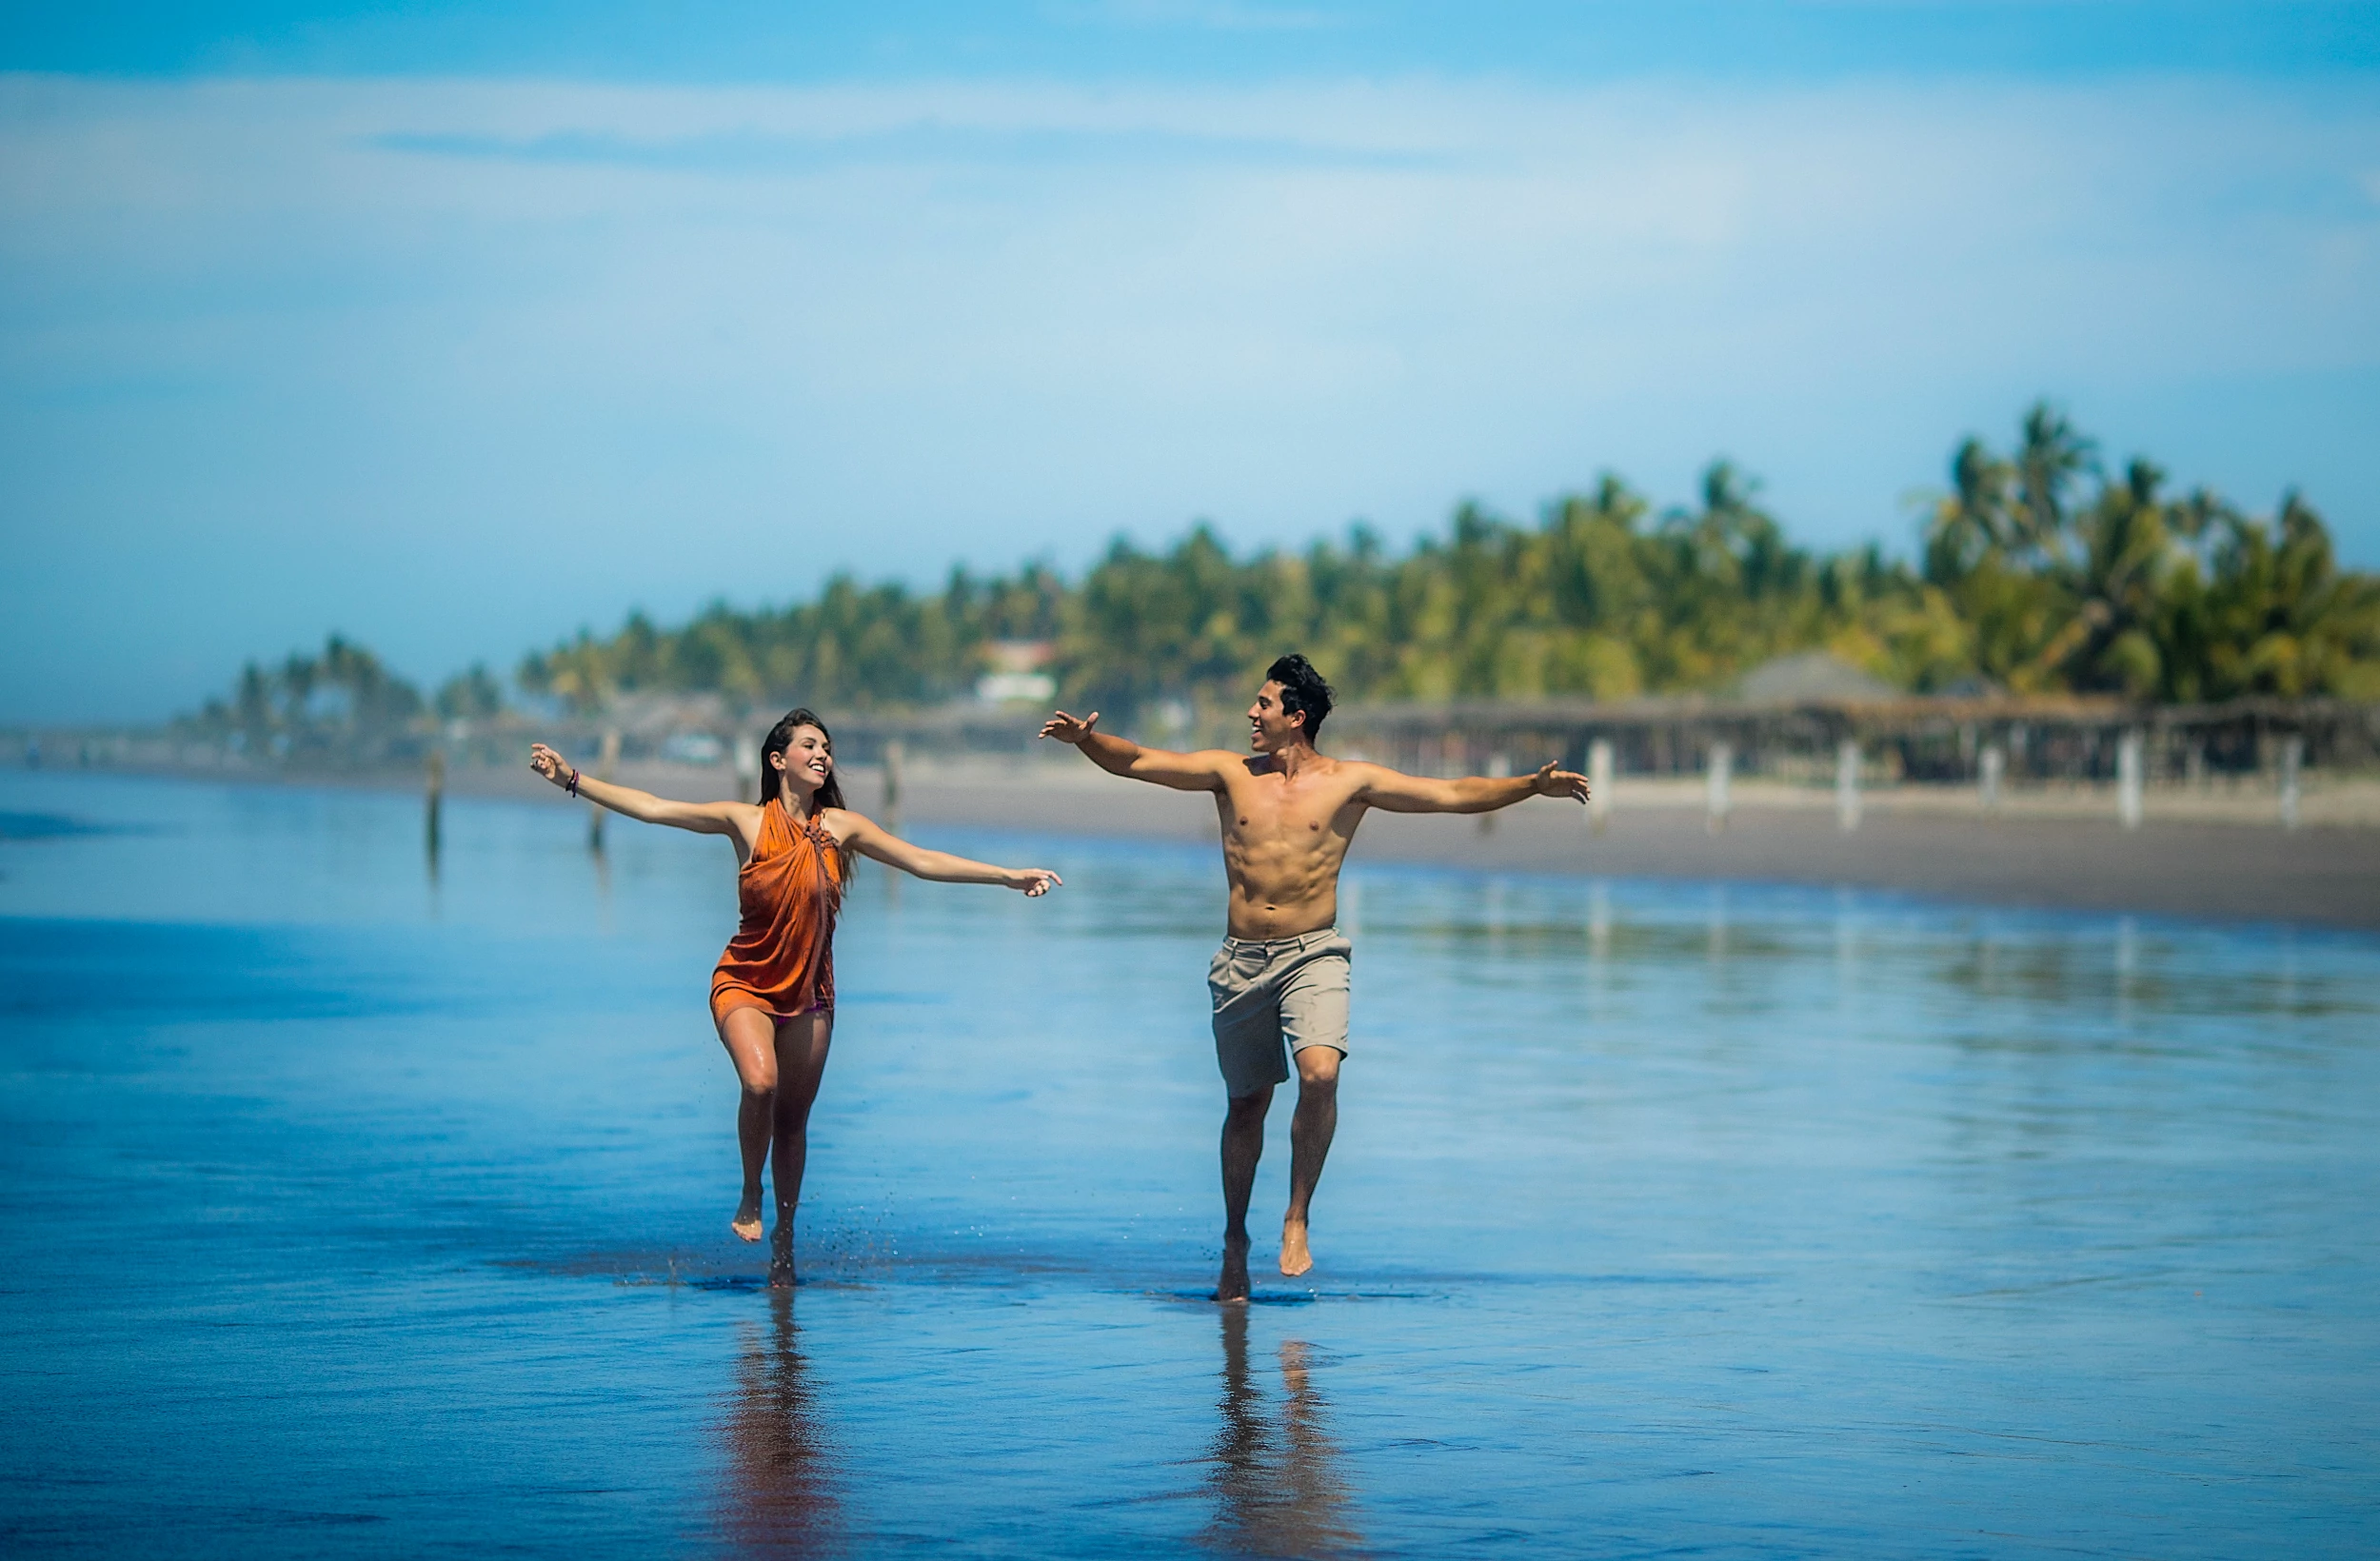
(857, 832)
(702, 817)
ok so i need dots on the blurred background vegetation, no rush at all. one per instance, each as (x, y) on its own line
(2040, 571)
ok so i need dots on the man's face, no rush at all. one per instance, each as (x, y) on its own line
(1270, 728)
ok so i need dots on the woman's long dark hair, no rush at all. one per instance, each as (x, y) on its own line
(780, 737)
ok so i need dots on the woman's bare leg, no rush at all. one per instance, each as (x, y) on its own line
(750, 1037)
(801, 1044)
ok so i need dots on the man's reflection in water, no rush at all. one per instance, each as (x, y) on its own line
(1277, 1485)
(781, 1490)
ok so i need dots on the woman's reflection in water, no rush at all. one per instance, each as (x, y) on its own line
(781, 1493)
(1277, 1485)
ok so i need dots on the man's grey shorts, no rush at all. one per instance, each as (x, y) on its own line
(1273, 996)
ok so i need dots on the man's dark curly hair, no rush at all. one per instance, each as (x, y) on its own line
(1302, 690)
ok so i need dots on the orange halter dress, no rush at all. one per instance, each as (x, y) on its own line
(782, 957)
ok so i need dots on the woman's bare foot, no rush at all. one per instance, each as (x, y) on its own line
(747, 1221)
(1295, 1259)
(781, 1256)
(1233, 1285)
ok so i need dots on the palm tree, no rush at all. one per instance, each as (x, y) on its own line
(2284, 619)
(2050, 454)
(1971, 522)
(2118, 583)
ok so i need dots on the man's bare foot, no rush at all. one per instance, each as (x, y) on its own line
(747, 1221)
(1233, 1286)
(1295, 1259)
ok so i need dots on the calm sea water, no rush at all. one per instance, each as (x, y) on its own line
(355, 1210)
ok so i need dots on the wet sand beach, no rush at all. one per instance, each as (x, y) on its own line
(2226, 871)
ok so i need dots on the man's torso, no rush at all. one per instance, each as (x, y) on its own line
(1284, 840)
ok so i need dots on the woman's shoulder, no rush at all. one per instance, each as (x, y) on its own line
(843, 823)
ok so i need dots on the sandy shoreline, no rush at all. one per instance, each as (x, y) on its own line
(2042, 852)
(2224, 871)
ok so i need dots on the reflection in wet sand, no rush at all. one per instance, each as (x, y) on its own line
(780, 1478)
(1279, 1483)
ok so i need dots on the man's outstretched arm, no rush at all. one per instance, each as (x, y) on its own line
(1121, 755)
(1394, 792)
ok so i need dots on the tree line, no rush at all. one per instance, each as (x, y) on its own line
(2040, 570)
(343, 706)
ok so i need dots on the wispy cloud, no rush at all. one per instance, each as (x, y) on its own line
(927, 142)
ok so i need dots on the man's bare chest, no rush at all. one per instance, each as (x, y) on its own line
(1257, 815)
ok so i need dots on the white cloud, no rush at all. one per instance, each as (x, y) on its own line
(273, 327)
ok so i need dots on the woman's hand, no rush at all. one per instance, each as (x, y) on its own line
(1035, 882)
(551, 764)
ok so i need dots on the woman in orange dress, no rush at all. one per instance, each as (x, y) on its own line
(773, 995)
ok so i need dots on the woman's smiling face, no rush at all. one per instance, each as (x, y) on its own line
(808, 760)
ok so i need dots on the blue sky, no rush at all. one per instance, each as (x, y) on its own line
(714, 41)
(455, 328)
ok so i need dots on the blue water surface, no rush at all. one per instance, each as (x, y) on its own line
(356, 1207)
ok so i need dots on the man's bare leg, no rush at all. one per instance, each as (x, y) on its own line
(1244, 1145)
(750, 1037)
(801, 1044)
(1310, 1132)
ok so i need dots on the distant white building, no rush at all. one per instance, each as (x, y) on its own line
(1811, 675)
(1015, 672)
(693, 748)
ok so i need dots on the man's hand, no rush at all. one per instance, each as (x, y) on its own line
(1065, 728)
(1550, 782)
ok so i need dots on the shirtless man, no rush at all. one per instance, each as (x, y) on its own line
(1279, 981)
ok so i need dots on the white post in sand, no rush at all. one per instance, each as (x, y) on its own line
(433, 795)
(1990, 769)
(607, 760)
(2293, 760)
(2128, 779)
(1722, 767)
(1598, 782)
(1847, 785)
(745, 755)
(1499, 768)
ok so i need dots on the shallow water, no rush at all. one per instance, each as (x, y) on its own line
(355, 1210)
